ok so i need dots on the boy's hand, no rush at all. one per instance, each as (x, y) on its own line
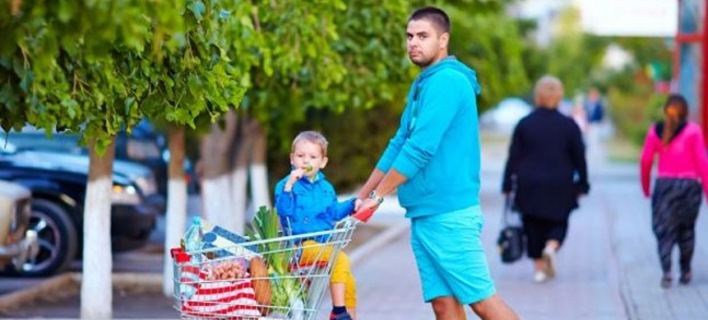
(357, 204)
(295, 175)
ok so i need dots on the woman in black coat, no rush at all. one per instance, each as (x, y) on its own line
(546, 170)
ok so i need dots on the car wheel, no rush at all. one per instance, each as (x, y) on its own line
(57, 240)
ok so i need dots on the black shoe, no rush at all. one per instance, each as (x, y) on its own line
(685, 278)
(666, 281)
(341, 316)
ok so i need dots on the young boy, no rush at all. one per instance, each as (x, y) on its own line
(306, 202)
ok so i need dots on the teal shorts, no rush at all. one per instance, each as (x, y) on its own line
(450, 256)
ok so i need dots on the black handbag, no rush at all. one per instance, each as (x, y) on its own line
(511, 237)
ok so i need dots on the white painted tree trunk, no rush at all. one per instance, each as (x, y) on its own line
(215, 152)
(176, 205)
(237, 215)
(260, 192)
(259, 185)
(216, 201)
(174, 229)
(96, 284)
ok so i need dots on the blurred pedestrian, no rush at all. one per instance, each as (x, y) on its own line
(546, 168)
(579, 116)
(597, 128)
(594, 108)
(434, 162)
(682, 174)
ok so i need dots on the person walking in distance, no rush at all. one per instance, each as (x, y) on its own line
(434, 162)
(682, 174)
(547, 170)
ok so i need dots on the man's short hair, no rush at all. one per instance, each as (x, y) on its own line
(436, 16)
(313, 137)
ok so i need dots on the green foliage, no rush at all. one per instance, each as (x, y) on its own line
(100, 66)
(359, 64)
(372, 42)
(495, 54)
(573, 56)
(202, 78)
(58, 64)
(296, 60)
(634, 109)
(376, 74)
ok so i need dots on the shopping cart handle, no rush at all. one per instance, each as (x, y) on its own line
(364, 215)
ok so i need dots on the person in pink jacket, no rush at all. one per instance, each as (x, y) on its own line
(682, 175)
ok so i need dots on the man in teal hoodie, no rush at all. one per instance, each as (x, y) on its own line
(434, 161)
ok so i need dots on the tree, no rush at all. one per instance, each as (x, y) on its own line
(59, 73)
(482, 36)
(374, 88)
(96, 67)
(329, 55)
(495, 54)
(282, 36)
(192, 85)
(574, 56)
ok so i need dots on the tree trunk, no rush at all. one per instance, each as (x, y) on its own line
(239, 174)
(176, 204)
(96, 286)
(258, 170)
(216, 189)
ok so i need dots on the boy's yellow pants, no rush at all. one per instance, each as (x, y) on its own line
(341, 272)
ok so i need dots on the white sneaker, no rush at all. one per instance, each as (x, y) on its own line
(549, 257)
(539, 277)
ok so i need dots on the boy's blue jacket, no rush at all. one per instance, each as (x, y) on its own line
(437, 145)
(310, 206)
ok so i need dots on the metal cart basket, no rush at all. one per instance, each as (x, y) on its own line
(279, 278)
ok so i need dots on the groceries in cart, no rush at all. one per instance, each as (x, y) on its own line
(219, 274)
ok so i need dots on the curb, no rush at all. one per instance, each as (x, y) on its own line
(53, 284)
(153, 281)
(62, 283)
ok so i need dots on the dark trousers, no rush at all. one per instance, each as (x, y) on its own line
(538, 231)
(674, 205)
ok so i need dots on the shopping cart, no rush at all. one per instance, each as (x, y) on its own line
(260, 279)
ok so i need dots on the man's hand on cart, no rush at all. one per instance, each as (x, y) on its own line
(366, 210)
(357, 204)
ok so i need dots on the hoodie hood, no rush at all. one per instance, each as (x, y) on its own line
(452, 62)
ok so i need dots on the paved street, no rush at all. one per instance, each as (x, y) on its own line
(607, 269)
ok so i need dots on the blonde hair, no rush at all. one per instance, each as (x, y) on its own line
(548, 92)
(313, 137)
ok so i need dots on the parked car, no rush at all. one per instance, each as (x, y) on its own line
(58, 184)
(17, 243)
(504, 116)
(144, 145)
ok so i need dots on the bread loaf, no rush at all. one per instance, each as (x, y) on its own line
(261, 283)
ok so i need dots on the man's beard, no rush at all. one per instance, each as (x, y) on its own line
(422, 63)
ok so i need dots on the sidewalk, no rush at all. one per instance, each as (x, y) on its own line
(607, 269)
